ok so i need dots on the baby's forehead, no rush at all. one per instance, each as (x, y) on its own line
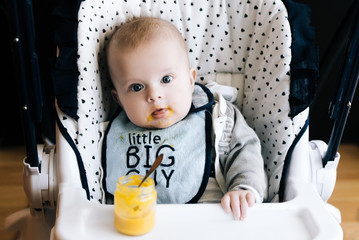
(139, 31)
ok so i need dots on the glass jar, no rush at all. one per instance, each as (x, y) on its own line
(134, 206)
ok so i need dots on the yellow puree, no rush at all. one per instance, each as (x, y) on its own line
(135, 215)
(150, 118)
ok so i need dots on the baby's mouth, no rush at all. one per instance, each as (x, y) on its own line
(160, 113)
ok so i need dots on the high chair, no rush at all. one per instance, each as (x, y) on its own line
(244, 44)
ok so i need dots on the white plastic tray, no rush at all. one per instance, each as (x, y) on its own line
(301, 218)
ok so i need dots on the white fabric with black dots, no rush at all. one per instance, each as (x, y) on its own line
(248, 37)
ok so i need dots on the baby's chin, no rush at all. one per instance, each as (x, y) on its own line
(159, 125)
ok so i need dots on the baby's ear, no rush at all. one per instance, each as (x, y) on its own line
(115, 97)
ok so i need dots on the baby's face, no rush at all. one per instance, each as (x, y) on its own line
(153, 82)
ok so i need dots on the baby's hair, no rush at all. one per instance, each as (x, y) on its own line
(138, 30)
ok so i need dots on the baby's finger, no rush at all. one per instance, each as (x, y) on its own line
(244, 207)
(235, 206)
(225, 202)
(250, 199)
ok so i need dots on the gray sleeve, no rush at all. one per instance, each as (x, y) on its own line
(240, 154)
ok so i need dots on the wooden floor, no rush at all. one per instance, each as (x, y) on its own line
(346, 192)
(12, 196)
(345, 196)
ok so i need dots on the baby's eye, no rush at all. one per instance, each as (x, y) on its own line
(166, 79)
(136, 87)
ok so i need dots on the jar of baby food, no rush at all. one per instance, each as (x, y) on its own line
(134, 206)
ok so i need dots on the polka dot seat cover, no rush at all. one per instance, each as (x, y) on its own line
(247, 37)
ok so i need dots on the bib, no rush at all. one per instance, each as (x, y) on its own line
(183, 174)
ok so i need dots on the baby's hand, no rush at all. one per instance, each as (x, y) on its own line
(238, 202)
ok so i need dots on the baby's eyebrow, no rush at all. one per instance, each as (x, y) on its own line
(168, 71)
(130, 81)
(168, 67)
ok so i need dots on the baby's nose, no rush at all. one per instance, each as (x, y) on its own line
(153, 95)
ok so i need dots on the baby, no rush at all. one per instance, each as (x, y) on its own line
(164, 111)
